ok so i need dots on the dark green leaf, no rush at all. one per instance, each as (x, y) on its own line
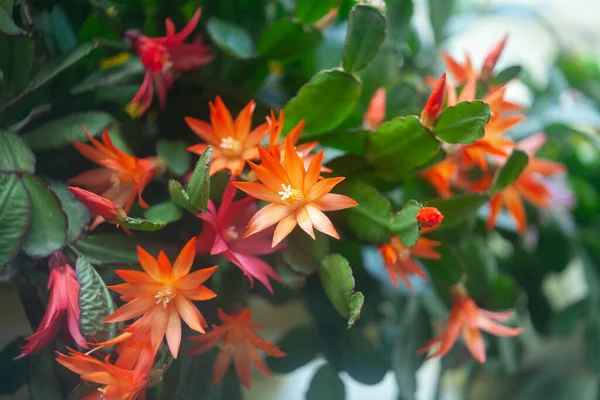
(413, 332)
(58, 65)
(14, 372)
(95, 303)
(353, 142)
(300, 345)
(304, 254)
(457, 208)
(463, 123)
(164, 213)
(399, 14)
(480, 265)
(15, 155)
(287, 39)
(448, 270)
(361, 359)
(366, 32)
(175, 153)
(180, 196)
(7, 25)
(510, 171)
(48, 230)
(143, 225)
(194, 382)
(310, 11)
(63, 31)
(77, 214)
(59, 132)
(198, 188)
(370, 220)
(503, 293)
(15, 63)
(355, 305)
(506, 75)
(338, 282)
(400, 146)
(15, 215)
(326, 385)
(231, 38)
(592, 339)
(568, 320)
(334, 90)
(42, 377)
(109, 249)
(405, 225)
(439, 13)
(110, 77)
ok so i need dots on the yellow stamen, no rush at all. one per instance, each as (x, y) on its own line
(289, 194)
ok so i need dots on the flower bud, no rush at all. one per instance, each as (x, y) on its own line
(98, 205)
(434, 104)
(429, 217)
(491, 59)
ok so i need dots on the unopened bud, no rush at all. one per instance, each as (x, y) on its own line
(491, 60)
(98, 205)
(429, 217)
(434, 104)
(376, 111)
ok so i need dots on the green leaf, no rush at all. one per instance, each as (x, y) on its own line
(143, 225)
(95, 303)
(361, 359)
(412, 333)
(399, 14)
(463, 123)
(77, 214)
(568, 320)
(180, 196)
(164, 213)
(58, 65)
(42, 377)
(48, 230)
(506, 75)
(310, 11)
(304, 254)
(59, 132)
(481, 265)
(15, 216)
(337, 280)
(231, 38)
(194, 382)
(326, 384)
(353, 142)
(63, 32)
(400, 146)
(367, 28)
(175, 153)
(110, 77)
(109, 249)
(510, 171)
(355, 305)
(14, 372)
(335, 91)
(300, 345)
(592, 340)
(439, 14)
(287, 39)
(448, 270)
(15, 155)
(15, 63)
(503, 294)
(370, 220)
(7, 25)
(198, 188)
(457, 208)
(405, 225)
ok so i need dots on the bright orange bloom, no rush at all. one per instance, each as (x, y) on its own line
(468, 319)
(296, 194)
(238, 344)
(233, 141)
(121, 178)
(376, 111)
(399, 260)
(98, 205)
(163, 294)
(117, 383)
(435, 103)
(429, 217)
(441, 175)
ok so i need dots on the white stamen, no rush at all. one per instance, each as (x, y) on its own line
(102, 391)
(231, 233)
(288, 193)
(229, 143)
(164, 296)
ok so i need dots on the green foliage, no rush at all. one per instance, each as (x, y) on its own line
(16, 63)
(175, 154)
(463, 123)
(15, 156)
(164, 213)
(287, 39)
(337, 280)
(199, 187)
(77, 214)
(458, 208)
(510, 171)
(300, 345)
(405, 225)
(7, 25)
(326, 385)
(366, 33)
(310, 11)
(304, 254)
(231, 38)
(15, 216)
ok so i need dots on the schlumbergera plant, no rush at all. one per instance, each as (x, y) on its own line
(164, 164)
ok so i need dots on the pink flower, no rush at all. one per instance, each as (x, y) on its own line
(163, 56)
(223, 233)
(63, 307)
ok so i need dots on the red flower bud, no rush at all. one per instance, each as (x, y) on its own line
(429, 217)
(98, 205)
(434, 104)
(491, 59)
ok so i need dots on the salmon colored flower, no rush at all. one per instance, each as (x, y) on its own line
(162, 57)
(222, 234)
(399, 259)
(121, 178)
(376, 111)
(441, 175)
(163, 294)
(238, 343)
(435, 103)
(116, 383)
(429, 217)
(490, 61)
(233, 141)
(296, 194)
(62, 312)
(468, 320)
(98, 205)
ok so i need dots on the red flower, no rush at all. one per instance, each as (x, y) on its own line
(468, 319)
(98, 205)
(429, 217)
(434, 104)
(163, 56)
(63, 307)
(223, 234)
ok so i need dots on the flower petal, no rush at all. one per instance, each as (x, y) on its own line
(267, 216)
(304, 221)
(134, 308)
(321, 188)
(189, 313)
(195, 279)
(321, 222)
(475, 343)
(333, 202)
(314, 171)
(149, 264)
(222, 363)
(259, 191)
(284, 227)
(184, 261)
(294, 165)
(174, 332)
(242, 365)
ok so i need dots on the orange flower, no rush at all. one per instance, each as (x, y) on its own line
(468, 319)
(440, 176)
(376, 111)
(238, 344)
(116, 383)
(399, 260)
(121, 178)
(296, 194)
(233, 141)
(162, 293)
(435, 103)
(429, 217)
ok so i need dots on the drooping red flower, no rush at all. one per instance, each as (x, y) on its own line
(238, 344)
(162, 57)
(429, 217)
(98, 205)
(63, 307)
(223, 234)
(468, 320)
